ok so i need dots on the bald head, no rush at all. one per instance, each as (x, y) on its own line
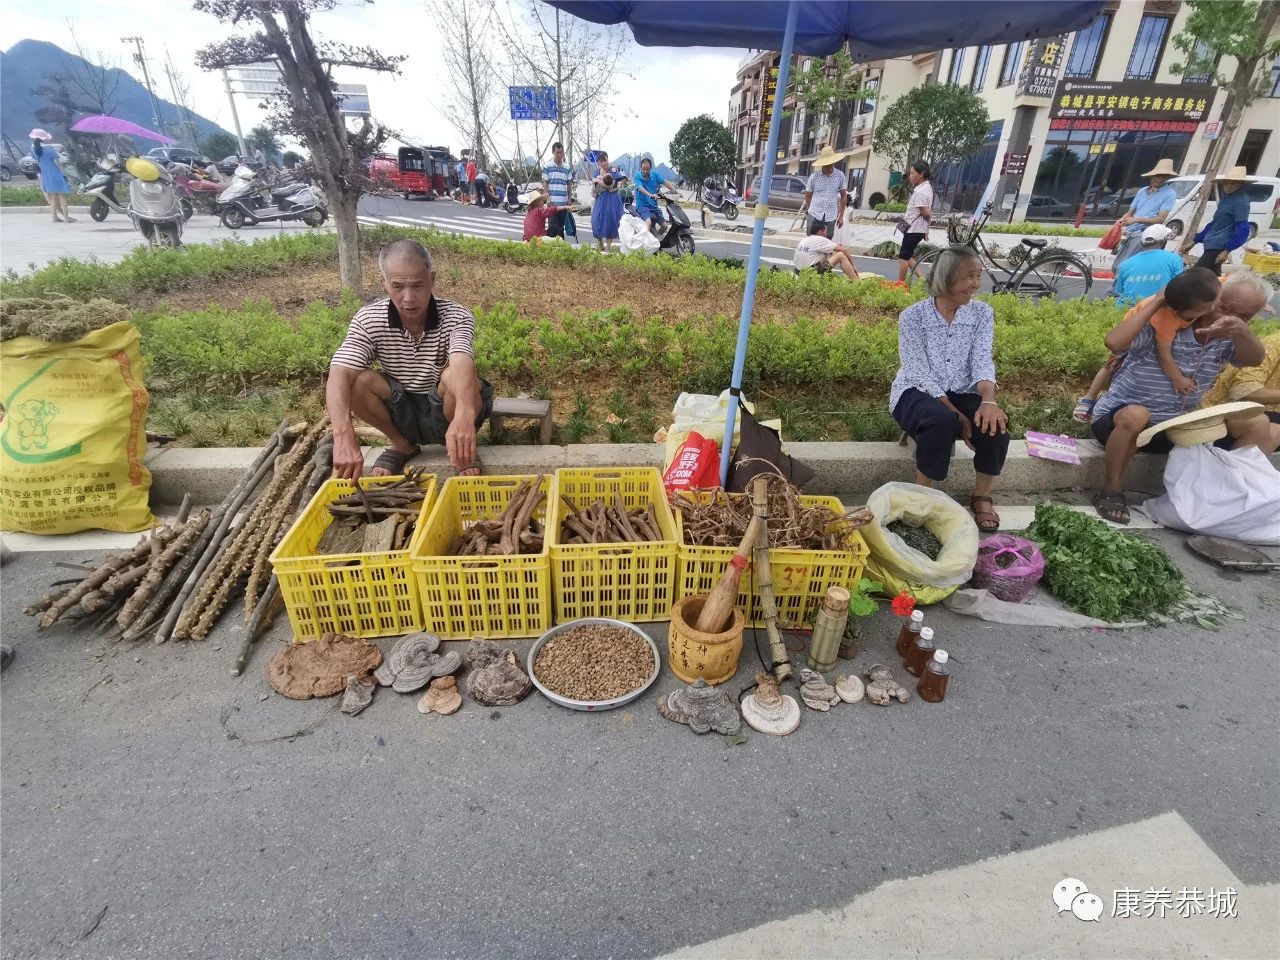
(1244, 295)
(408, 278)
(410, 250)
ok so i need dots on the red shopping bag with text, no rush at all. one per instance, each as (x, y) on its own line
(1112, 237)
(696, 465)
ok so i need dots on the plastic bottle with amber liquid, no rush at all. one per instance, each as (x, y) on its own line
(933, 681)
(920, 652)
(910, 630)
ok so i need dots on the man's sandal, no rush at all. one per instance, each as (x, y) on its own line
(393, 461)
(470, 470)
(986, 517)
(1113, 507)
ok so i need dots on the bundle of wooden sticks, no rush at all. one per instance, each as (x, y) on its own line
(376, 518)
(514, 531)
(602, 522)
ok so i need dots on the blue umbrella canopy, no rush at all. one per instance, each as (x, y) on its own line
(874, 29)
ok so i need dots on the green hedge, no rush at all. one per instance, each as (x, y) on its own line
(890, 207)
(29, 195)
(1045, 230)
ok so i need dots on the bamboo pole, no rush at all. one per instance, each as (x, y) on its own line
(764, 580)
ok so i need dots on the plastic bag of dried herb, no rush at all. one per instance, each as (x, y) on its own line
(1101, 572)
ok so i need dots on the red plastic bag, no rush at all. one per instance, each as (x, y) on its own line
(1112, 238)
(696, 465)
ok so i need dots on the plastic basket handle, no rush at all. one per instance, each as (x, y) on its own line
(479, 564)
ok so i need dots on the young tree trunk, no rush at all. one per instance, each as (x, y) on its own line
(343, 208)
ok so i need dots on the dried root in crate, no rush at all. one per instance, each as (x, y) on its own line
(512, 532)
(722, 520)
(375, 519)
(603, 522)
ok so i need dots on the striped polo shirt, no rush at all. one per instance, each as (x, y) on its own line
(377, 335)
(1141, 380)
(557, 184)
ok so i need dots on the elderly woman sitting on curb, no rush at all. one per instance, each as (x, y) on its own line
(945, 389)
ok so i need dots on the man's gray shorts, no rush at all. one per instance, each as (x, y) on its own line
(420, 416)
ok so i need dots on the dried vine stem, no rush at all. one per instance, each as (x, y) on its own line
(161, 565)
(105, 571)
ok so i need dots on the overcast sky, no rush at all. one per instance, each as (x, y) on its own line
(662, 87)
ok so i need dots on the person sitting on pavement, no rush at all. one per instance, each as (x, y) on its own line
(535, 221)
(648, 189)
(945, 389)
(819, 252)
(1152, 204)
(425, 390)
(1229, 228)
(826, 194)
(1260, 384)
(1147, 271)
(1141, 395)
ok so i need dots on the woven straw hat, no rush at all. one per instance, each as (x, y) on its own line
(828, 157)
(1239, 174)
(536, 198)
(1162, 169)
(1199, 426)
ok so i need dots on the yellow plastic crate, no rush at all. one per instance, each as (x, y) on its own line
(800, 577)
(1262, 261)
(634, 582)
(359, 594)
(490, 597)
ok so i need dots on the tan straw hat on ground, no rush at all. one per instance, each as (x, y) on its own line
(828, 157)
(1198, 426)
(1162, 169)
(1235, 173)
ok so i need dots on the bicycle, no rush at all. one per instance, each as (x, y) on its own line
(1052, 272)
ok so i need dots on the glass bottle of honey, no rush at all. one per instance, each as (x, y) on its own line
(910, 630)
(933, 681)
(920, 653)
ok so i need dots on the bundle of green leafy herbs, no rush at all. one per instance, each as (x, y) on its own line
(917, 536)
(1100, 572)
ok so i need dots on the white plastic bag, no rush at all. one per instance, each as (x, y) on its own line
(1220, 493)
(704, 413)
(901, 567)
(633, 235)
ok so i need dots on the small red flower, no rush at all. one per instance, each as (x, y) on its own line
(903, 604)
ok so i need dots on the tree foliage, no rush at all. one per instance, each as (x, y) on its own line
(474, 98)
(308, 107)
(263, 138)
(938, 124)
(702, 147)
(830, 84)
(218, 145)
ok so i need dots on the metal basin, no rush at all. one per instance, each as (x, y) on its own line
(593, 705)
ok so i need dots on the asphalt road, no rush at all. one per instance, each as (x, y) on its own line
(154, 807)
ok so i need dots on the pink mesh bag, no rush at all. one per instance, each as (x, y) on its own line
(1008, 567)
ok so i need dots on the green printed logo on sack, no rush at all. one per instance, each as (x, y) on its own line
(31, 420)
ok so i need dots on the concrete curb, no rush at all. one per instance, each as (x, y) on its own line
(850, 470)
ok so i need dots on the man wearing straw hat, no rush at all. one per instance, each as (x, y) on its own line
(1223, 233)
(1152, 204)
(826, 195)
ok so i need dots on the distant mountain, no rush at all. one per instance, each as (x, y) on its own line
(24, 66)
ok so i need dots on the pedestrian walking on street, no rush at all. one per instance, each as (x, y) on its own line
(557, 179)
(827, 194)
(1152, 204)
(914, 225)
(471, 178)
(52, 180)
(1229, 227)
(606, 212)
(463, 196)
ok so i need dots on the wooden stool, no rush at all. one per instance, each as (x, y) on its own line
(524, 408)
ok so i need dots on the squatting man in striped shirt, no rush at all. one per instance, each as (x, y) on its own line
(425, 389)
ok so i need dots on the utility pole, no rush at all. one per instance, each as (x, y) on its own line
(140, 59)
(180, 99)
(235, 117)
(559, 90)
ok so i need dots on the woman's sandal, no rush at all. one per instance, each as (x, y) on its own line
(986, 526)
(1083, 413)
(393, 461)
(1113, 507)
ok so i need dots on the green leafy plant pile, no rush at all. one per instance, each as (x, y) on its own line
(1100, 572)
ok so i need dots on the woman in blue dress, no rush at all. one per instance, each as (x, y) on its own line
(52, 180)
(606, 212)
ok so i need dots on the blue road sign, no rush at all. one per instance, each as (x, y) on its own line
(533, 103)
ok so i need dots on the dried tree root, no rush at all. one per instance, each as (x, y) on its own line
(108, 568)
(159, 566)
(722, 520)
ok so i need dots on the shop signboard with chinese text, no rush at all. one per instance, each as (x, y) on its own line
(766, 102)
(1040, 67)
(1129, 105)
(1014, 164)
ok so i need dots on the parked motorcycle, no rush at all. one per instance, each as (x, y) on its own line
(153, 204)
(102, 187)
(676, 235)
(511, 199)
(720, 198)
(247, 202)
(195, 192)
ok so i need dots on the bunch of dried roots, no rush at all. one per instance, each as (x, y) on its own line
(721, 519)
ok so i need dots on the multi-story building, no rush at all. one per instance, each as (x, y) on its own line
(1076, 119)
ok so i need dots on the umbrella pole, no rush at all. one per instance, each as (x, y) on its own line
(757, 238)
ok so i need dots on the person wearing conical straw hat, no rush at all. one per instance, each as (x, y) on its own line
(827, 194)
(1152, 204)
(1233, 210)
(535, 221)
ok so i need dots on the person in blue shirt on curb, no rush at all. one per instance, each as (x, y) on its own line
(648, 188)
(1230, 224)
(1148, 270)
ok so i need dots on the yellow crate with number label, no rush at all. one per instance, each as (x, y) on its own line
(800, 577)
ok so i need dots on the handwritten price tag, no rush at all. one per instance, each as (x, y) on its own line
(791, 579)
